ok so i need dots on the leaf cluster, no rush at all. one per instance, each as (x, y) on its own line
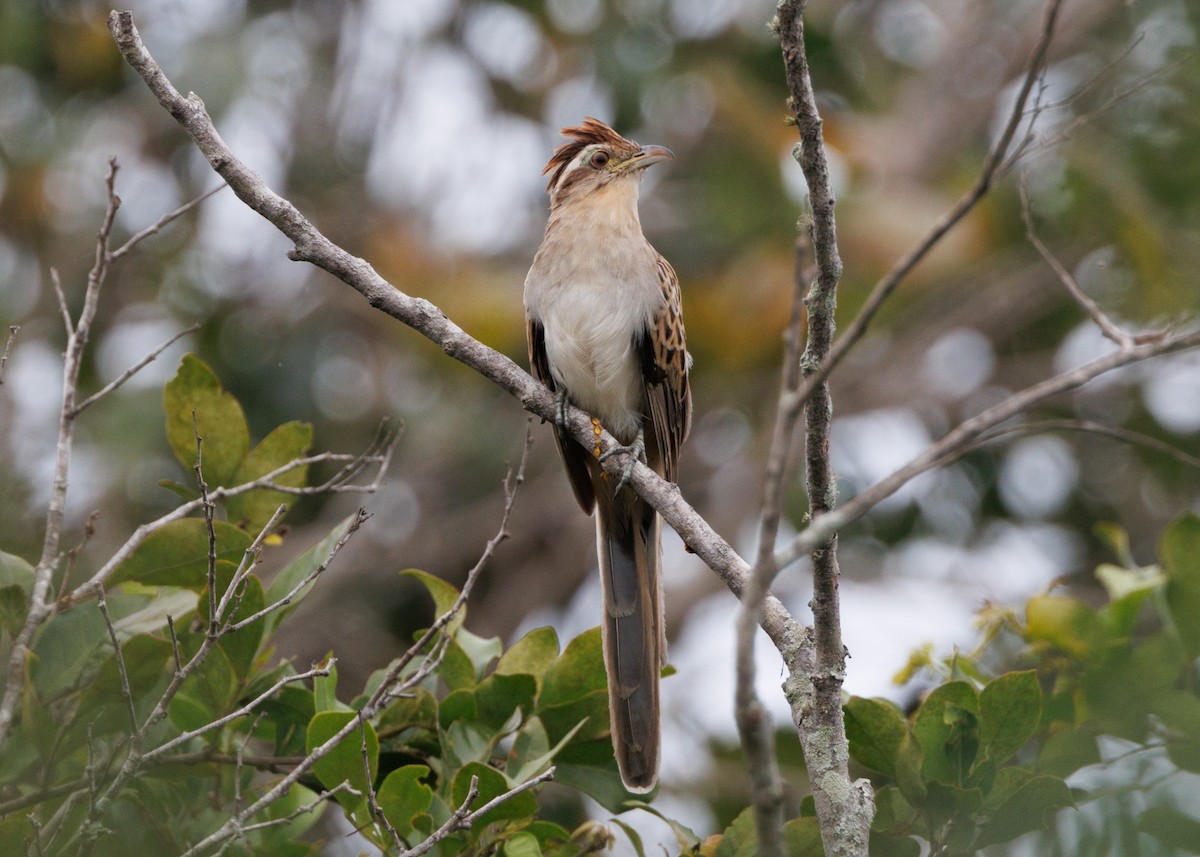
(984, 759)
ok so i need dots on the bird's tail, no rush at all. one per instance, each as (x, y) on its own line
(628, 535)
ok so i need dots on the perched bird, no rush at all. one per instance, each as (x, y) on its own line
(605, 328)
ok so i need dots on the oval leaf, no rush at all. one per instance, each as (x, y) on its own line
(177, 554)
(218, 418)
(1010, 707)
(287, 443)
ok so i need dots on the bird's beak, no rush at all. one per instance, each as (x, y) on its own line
(646, 156)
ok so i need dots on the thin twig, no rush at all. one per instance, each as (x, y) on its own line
(755, 728)
(133, 370)
(163, 221)
(512, 482)
(991, 167)
(126, 692)
(372, 802)
(210, 510)
(61, 298)
(242, 711)
(954, 443)
(231, 598)
(139, 535)
(359, 519)
(1087, 427)
(1111, 331)
(8, 344)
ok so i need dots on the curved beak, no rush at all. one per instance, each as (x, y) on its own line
(646, 156)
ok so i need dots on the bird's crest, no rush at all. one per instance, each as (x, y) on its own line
(591, 132)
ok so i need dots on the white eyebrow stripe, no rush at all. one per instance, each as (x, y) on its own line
(583, 155)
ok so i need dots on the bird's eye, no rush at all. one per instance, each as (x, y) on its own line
(599, 159)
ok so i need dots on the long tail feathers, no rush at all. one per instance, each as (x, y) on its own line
(628, 537)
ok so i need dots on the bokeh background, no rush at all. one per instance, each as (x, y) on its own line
(413, 132)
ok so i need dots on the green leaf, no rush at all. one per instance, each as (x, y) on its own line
(888, 845)
(528, 759)
(578, 671)
(464, 741)
(15, 571)
(1179, 712)
(444, 597)
(219, 419)
(458, 705)
(875, 729)
(1171, 827)
(531, 655)
(803, 838)
(892, 811)
(288, 712)
(177, 554)
(65, 646)
(591, 768)
(39, 724)
(574, 688)
(207, 694)
(522, 845)
(498, 696)
(456, 668)
(588, 714)
(241, 646)
(418, 710)
(947, 729)
(1117, 539)
(1066, 623)
(1010, 707)
(344, 761)
(1026, 810)
(491, 784)
(635, 838)
(739, 839)
(479, 650)
(152, 615)
(1067, 750)
(276, 837)
(403, 796)
(1179, 551)
(148, 665)
(1005, 785)
(14, 606)
(294, 574)
(1127, 589)
(325, 688)
(685, 837)
(251, 511)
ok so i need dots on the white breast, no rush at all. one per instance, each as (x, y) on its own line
(593, 290)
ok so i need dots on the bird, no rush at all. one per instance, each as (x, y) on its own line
(604, 324)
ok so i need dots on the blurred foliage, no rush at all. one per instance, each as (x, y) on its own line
(1108, 700)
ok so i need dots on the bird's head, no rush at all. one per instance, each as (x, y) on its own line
(596, 158)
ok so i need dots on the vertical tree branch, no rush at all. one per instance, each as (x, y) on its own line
(77, 339)
(754, 727)
(843, 809)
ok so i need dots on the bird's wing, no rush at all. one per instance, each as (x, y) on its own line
(665, 364)
(573, 455)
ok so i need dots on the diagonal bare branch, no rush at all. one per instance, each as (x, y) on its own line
(163, 221)
(133, 370)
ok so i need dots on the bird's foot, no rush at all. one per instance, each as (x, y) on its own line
(636, 452)
(564, 405)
